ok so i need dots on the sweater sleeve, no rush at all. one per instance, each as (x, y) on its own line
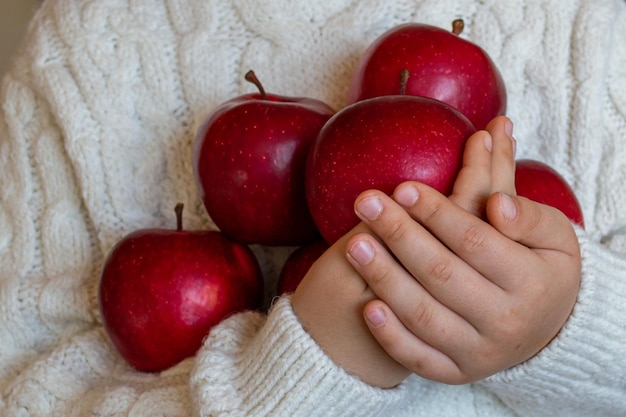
(253, 366)
(257, 365)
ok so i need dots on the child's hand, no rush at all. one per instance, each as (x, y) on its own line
(465, 298)
(329, 303)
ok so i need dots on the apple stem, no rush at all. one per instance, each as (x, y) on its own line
(457, 26)
(179, 216)
(404, 79)
(251, 77)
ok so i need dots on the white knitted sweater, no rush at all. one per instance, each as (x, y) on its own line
(98, 116)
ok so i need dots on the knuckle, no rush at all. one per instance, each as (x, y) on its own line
(511, 325)
(421, 316)
(534, 223)
(534, 214)
(472, 239)
(379, 275)
(432, 208)
(439, 270)
(395, 232)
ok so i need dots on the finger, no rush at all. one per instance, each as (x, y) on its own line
(488, 166)
(502, 155)
(473, 240)
(447, 277)
(427, 318)
(473, 183)
(532, 224)
(408, 349)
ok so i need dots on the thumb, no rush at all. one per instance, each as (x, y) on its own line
(535, 225)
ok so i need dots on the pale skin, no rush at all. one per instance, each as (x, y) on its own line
(453, 288)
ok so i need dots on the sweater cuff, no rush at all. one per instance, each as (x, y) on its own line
(253, 365)
(579, 372)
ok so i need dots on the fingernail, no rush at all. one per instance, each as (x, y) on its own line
(508, 207)
(370, 208)
(362, 252)
(406, 195)
(508, 128)
(488, 142)
(376, 317)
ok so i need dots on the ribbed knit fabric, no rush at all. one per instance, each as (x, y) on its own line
(283, 389)
(97, 120)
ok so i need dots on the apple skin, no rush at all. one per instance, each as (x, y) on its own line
(298, 264)
(441, 64)
(541, 183)
(161, 291)
(249, 165)
(379, 143)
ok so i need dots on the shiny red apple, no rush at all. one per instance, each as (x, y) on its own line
(442, 65)
(161, 291)
(379, 143)
(249, 163)
(541, 183)
(298, 264)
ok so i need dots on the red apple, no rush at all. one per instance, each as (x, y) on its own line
(249, 162)
(298, 264)
(541, 183)
(442, 65)
(379, 143)
(161, 291)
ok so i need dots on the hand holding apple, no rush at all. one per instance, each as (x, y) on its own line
(162, 290)
(379, 143)
(493, 281)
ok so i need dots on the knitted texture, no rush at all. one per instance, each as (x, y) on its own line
(99, 113)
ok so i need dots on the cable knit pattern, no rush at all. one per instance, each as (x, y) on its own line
(99, 112)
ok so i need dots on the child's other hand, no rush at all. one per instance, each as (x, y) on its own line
(329, 303)
(468, 285)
